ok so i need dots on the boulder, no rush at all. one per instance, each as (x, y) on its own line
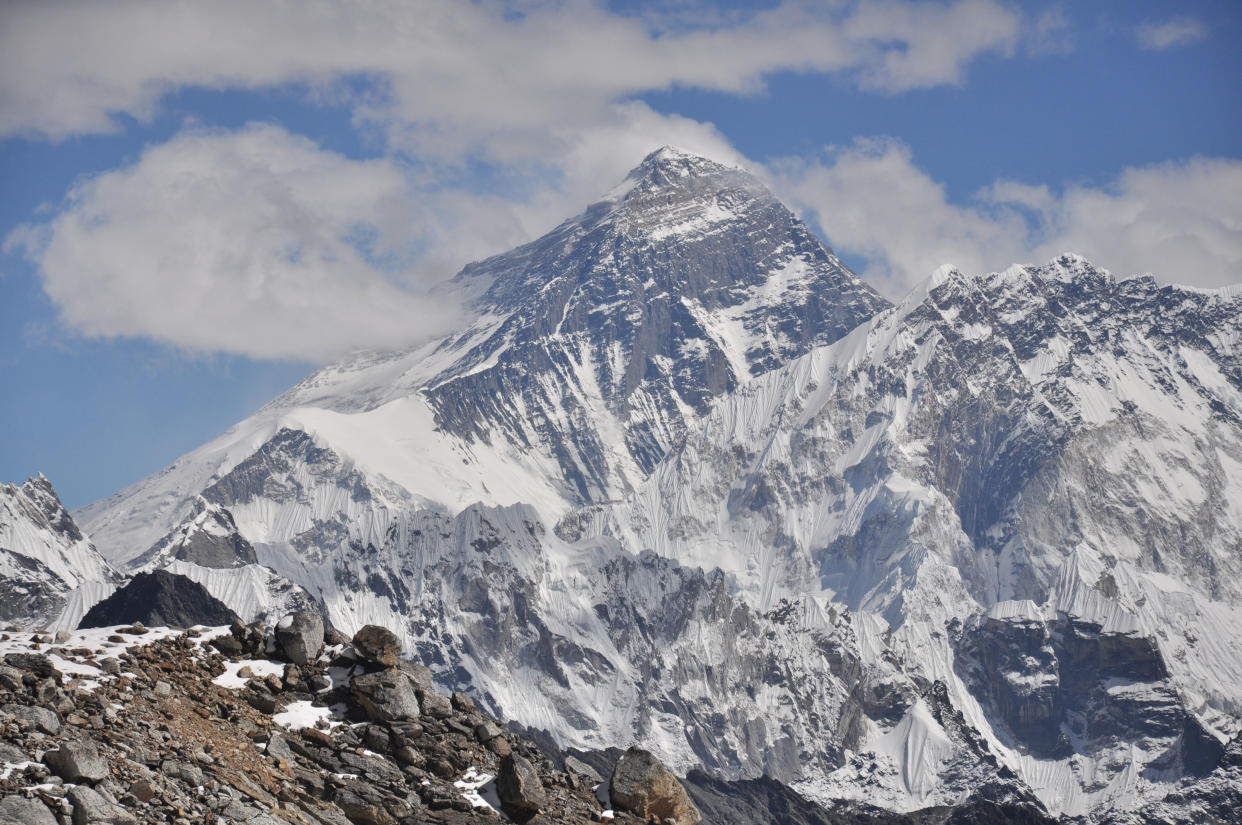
(576, 766)
(77, 762)
(386, 695)
(17, 810)
(91, 808)
(642, 786)
(39, 718)
(437, 705)
(486, 731)
(300, 636)
(37, 663)
(518, 786)
(378, 644)
(419, 674)
(278, 748)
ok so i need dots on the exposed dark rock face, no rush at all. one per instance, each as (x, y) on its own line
(159, 598)
(208, 537)
(1067, 686)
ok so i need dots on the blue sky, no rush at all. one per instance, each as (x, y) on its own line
(203, 203)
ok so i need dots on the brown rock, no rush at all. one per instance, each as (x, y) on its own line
(642, 786)
(378, 644)
(518, 786)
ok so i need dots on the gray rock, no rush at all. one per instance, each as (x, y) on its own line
(518, 786)
(11, 753)
(642, 786)
(577, 766)
(378, 644)
(419, 674)
(278, 748)
(437, 705)
(77, 762)
(10, 677)
(486, 731)
(90, 808)
(386, 696)
(162, 689)
(40, 718)
(332, 636)
(17, 810)
(36, 663)
(300, 636)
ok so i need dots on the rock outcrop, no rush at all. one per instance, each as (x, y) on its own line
(159, 599)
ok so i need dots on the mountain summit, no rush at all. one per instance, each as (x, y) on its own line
(589, 350)
(683, 481)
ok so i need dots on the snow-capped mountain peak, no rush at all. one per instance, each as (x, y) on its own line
(683, 480)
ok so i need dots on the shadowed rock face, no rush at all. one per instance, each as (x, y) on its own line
(208, 537)
(1065, 686)
(159, 598)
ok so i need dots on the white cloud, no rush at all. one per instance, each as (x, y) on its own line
(215, 242)
(461, 76)
(254, 242)
(1178, 31)
(1180, 221)
(258, 242)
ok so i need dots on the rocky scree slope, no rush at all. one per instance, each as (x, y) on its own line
(138, 725)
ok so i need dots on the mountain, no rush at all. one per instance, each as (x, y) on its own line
(45, 561)
(1032, 476)
(683, 481)
(589, 351)
(159, 599)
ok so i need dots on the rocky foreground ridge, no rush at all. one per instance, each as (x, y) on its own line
(247, 725)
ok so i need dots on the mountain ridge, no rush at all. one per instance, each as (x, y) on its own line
(659, 492)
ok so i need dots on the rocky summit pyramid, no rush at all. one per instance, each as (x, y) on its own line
(684, 482)
(589, 351)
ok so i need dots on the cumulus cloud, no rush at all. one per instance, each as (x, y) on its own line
(1178, 31)
(1180, 221)
(254, 242)
(214, 241)
(72, 68)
